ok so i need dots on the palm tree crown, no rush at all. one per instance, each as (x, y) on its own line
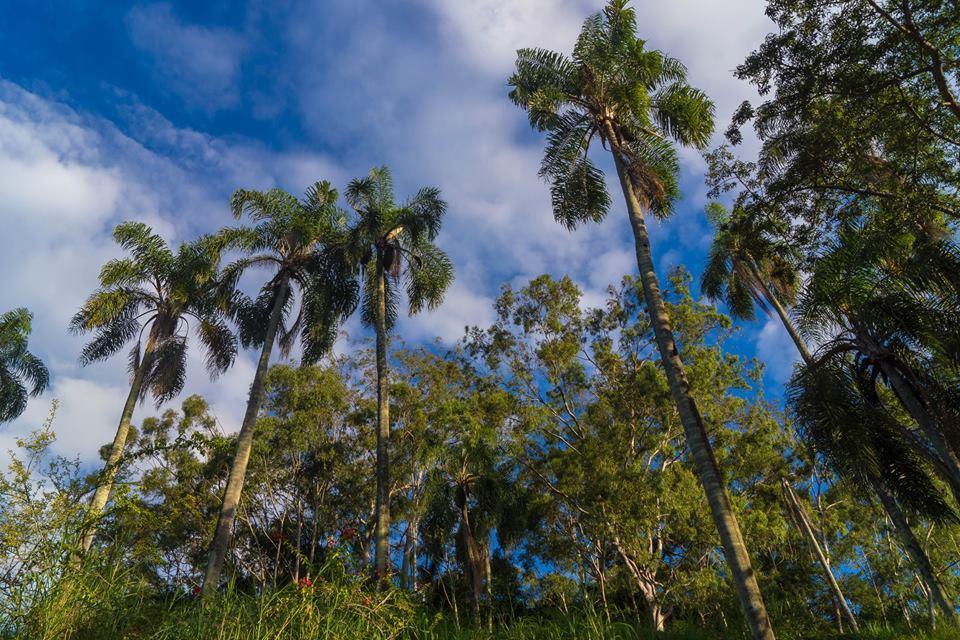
(612, 87)
(22, 374)
(395, 240)
(156, 293)
(289, 236)
(747, 261)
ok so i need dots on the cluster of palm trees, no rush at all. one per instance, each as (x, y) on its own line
(322, 263)
(878, 300)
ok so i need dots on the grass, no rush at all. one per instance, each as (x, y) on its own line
(113, 605)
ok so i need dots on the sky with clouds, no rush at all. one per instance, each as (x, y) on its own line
(158, 111)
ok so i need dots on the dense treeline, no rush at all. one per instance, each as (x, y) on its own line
(617, 464)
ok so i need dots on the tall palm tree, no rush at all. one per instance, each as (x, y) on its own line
(389, 245)
(637, 103)
(150, 298)
(883, 299)
(288, 238)
(22, 374)
(750, 264)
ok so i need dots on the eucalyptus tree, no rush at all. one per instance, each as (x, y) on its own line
(22, 374)
(288, 237)
(390, 244)
(150, 299)
(637, 103)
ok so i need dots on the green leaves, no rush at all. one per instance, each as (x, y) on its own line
(21, 372)
(613, 87)
(393, 243)
(154, 292)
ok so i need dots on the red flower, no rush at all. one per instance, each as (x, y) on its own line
(195, 591)
(348, 533)
(305, 583)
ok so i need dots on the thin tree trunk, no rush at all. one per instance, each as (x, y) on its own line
(784, 317)
(382, 551)
(408, 568)
(646, 586)
(473, 560)
(807, 529)
(488, 584)
(915, 406)
(238, 471)
(734, 549)
(105, 481)
(913, 548)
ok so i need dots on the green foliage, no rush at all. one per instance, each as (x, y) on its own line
(290, 237)
(22, 374)
(393, 243)
(612, 88)
(158, 293)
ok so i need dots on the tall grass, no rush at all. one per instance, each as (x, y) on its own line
(107, 603)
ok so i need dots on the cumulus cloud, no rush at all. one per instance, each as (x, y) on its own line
(200, 64)
(66, 178)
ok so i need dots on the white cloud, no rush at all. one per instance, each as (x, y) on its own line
(200, 64)
(66, 179)
(776, 350)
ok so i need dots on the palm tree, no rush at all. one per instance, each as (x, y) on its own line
(883, 299)
(637, 103)
(390, 244)
(289, 237)
(750, 263)
(150, 298)
(19, 369)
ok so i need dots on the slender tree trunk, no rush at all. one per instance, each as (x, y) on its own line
(382, 551)
(914, 549)
(488, 583)
(473, 561)
(408, 569)
(647, 587)
(784, 316)
(105, 481)
(238, 471)
(915, 406)
(807, 529)
(705, 464)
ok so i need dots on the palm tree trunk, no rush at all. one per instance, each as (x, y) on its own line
(105, 482)
(238, 471)
(382, 551)
(805, 527)
(784, 316)
(698, 443)
(915, 406)
(917, 555)
(473, 561)
(914, 549)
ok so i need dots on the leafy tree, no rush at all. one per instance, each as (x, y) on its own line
(288, 237)
(150, 298)
(387, 244)
(636, 101)
(18, 367)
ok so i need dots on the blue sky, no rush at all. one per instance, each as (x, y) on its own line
(158, 111)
